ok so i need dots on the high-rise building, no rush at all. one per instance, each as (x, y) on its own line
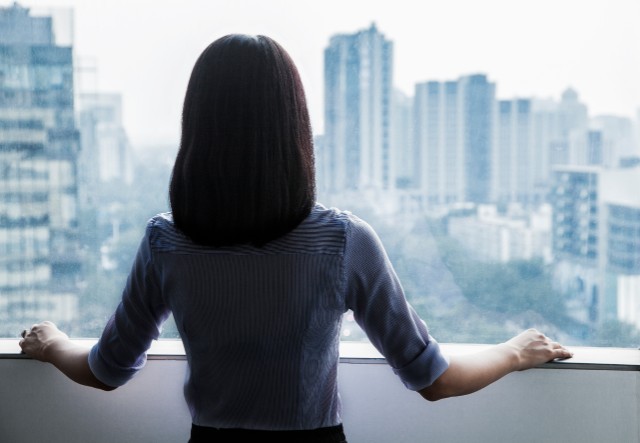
(576, 233)
(546, 141)
(596, 241)
(572, 122)
(106, 152)
(453, 139)
(39, 144)
(514, 154)
(621, 206)
(357, 153)
(618, 139)
(478, 105)
(407, 171)
(533, 135)
(438, 140)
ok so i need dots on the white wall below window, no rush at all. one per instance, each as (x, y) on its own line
(38, 404)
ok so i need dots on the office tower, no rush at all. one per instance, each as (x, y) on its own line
(514, 154)
(478, 102)
(106, 152)
(586, 148)
(39, 144)
(438, 140)
(621, 207)
(358, 75)
(575, 202)
(596, 241)
(531, 136)
(453, 138)
(575, 236)
(572, 122)
(546, 141)
(406, 161)
(619, 143)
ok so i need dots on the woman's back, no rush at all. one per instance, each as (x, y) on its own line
(260, 326)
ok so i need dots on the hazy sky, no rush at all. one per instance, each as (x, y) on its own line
(145, 49)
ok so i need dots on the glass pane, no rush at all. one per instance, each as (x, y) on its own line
(494, 147)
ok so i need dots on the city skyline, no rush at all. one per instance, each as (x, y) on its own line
(525, 49)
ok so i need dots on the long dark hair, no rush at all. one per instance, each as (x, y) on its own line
(245, 169)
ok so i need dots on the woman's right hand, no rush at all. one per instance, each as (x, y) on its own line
(533, 348)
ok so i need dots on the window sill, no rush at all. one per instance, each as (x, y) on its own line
(585, 358)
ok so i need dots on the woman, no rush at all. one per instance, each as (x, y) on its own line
(258, 275)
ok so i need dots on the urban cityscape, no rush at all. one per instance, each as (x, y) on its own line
(498, 214)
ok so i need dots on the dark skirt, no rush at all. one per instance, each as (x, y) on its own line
(202, 434)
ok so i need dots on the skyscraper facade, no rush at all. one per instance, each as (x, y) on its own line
(573, 121)
(576, 236)
(478, 105)
(407, 171)
(357, 154)
(39, 144)
(453, 136)
(596, 241)
(621, 245)
(106, 152)
(514, 156)
(439, 141)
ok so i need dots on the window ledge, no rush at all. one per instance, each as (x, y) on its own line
(585, 358)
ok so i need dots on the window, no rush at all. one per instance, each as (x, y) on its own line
(494, 146)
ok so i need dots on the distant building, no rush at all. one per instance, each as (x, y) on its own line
(576, 232)
(572, 121)
(586, 148)
(358, 75)
(532, 136)
(106, 152)
(406, 161)
(39, 144)
(453, 139)
(619, 142)
(596, 241)
(489, 236)
(514, 157)
(621, 203)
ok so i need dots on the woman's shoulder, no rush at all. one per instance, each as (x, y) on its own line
(340, 223)
(336, 216)
(162, 232)
(162, 221)
(333, 219)
(331, 214)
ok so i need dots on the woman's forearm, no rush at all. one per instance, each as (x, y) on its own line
(470, 373)
(73, 361)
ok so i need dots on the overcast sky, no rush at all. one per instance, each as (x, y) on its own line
(145, 49)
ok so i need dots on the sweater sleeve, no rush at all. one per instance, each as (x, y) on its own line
(377, 299)
(121, 350)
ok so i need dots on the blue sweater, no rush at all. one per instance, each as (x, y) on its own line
(261, 326)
